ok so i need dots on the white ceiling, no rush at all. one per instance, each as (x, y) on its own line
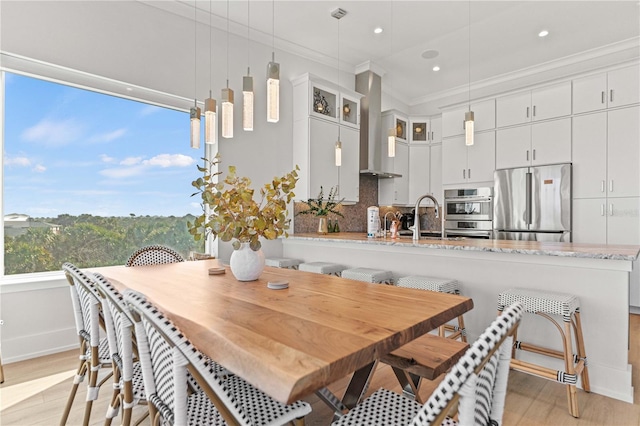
(503, 38)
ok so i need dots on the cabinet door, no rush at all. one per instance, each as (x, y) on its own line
(551, 102)
(623, 222)
(349, 172)
(624, 152)
(589, 221)
(436, 172)
(484, 115)
(322, 168)
(453, 122)
(436, 130)
(481, 158)
(589, 155)
(401, 166)
(419, 171)
(590, 93)
(551, 142)
(624, 86)
(454, 161)
(513, 109)
(512, 147)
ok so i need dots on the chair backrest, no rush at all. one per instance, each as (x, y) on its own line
(86, 304)
(119, 326)
(479, 378)
(165, 354)
(154, 255)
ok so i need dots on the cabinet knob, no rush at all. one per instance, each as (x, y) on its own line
(602, 98)
(464, 173)
(602, 185)
(611, 185)
(469, 173)
(527, 155)
(601, 209)
(611, 209)
(611, 95)
(527, 112)
(534, 110)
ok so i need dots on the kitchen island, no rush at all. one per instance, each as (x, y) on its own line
(599, 275)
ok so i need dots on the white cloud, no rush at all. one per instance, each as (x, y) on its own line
(53, 133)
(17, 161)
(107, 137)
(148, 110)
(170, 160)
(106, 159)
(39, 168)
(123, 172)
(131, 161)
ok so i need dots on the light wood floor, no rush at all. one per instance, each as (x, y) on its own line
(35, 392)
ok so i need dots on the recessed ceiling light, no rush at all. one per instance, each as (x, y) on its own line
(129, 89)
(436, 68)
(430, 54)
(543, 33)
(377, 30)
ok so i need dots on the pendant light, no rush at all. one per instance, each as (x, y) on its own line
(273, 76)
(227, 96)
(391, 136)
(339, 13)
(210, 119)
(247, 83)
(468, 116)
(194, 112)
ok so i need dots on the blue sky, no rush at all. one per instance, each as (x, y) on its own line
(74, 151)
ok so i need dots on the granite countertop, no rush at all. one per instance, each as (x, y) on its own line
(590, 251)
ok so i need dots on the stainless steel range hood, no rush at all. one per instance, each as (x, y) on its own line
(369, 84)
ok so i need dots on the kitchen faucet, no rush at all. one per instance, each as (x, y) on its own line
(416, 217)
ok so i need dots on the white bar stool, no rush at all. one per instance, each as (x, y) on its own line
(545, 304)
(369, 275)
(283, 262)
(440, 285)
(326, 268)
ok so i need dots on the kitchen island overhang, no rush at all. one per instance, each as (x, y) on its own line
(598, 275)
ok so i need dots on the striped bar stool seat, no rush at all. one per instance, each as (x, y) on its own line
(369, 275)
(440, 285)
(326, 268)
(283, 262)
(548, 304)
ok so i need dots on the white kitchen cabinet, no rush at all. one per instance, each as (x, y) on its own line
(468, 164)
(539, 104)
(606, 154)
(435, 172)
(606, 90)
(606, 220)
(589, 221)
(419, 171)
(323, 112)
(393, 119)
(425, 130)
(484, 118)
(537, 144)
(395, 191)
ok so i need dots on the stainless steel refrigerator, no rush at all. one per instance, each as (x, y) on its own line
(533, 203)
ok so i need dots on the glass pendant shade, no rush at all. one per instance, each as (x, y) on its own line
(210, 121)
(273, 92)
(247, 103)
(194, 113)
(391, 143)
(338, 153)
(227, 113)
(468, 128)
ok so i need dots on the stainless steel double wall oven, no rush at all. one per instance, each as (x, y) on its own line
(468, 213)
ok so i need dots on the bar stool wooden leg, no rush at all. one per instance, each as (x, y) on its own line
(572, 397)
(1, 371)
(582, 354)
(463, 330)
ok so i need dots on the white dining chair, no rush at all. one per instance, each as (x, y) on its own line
(154, 255)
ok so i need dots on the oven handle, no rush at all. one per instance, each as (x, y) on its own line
(462, 232)
(467, 199)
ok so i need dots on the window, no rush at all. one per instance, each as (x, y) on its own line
(89, 177)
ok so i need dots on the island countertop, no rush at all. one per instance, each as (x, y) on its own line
(581, 250)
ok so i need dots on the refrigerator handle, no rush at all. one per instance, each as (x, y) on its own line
(528, 198)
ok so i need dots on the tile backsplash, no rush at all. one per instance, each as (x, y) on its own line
(355, 216)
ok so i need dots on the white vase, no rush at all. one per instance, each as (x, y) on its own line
(246, 264)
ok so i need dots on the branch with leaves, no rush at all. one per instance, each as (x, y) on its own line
(231, 213)
(321, 207)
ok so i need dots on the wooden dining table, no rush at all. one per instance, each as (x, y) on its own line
(290, 342)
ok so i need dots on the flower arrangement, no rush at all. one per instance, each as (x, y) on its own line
(231, 213)
(319, 207)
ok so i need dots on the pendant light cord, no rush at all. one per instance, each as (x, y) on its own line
(469, 55)
(339, 87)
(210, 49)
(273, 29)
(227, 43)
(248, 37)
(195, 53)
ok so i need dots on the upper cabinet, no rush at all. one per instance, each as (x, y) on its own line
(539, 104)
(468, 164)
(484, 118)
(540, 143)
(323, 114)
(607, 90)
(425, 130)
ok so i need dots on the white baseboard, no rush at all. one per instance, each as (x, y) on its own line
(37, 345)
